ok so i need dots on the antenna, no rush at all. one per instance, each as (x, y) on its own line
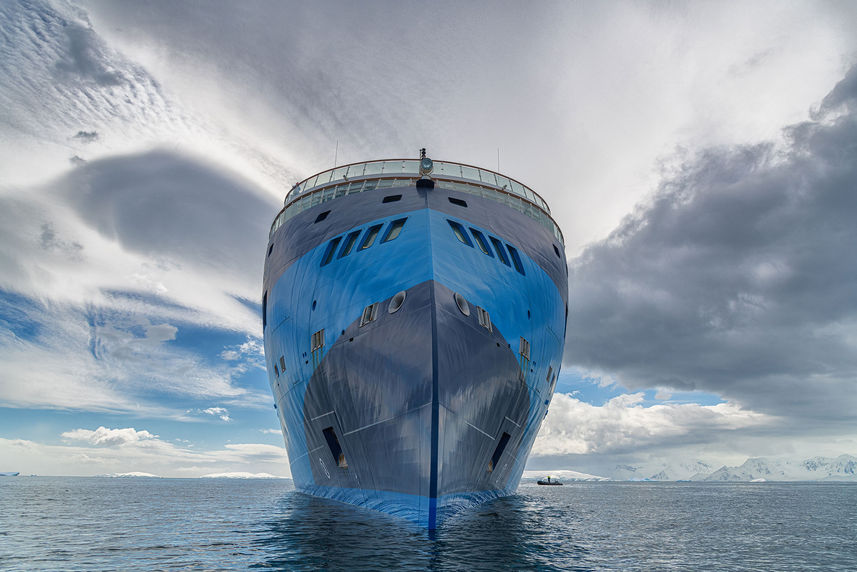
(423, 153)
(336, 153)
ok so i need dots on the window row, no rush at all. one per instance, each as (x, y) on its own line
(485, 245)
(353, 240)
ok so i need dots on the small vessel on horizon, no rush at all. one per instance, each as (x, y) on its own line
(549, 482)
(9, 474)
(414, 315)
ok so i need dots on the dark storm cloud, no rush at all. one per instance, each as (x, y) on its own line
(739, 277)
(173, 207)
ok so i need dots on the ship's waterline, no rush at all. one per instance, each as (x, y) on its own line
(414, 324)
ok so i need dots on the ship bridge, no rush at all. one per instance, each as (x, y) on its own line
(371, 175)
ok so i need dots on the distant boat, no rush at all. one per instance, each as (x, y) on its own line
(550, 482)
(9, 474)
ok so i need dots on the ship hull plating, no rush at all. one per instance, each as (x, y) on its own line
(435, 404)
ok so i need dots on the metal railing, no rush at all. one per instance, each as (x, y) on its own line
(371, 175)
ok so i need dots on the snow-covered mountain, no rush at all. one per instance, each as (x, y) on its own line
(841, 468)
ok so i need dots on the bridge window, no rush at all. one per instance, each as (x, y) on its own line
(501, 252)
(350, 241)
(391, 198)
(516, 259)
(395, 230)
(369, 239)
(458, 202)
(459, 232)
(480, 242)
(331, 248)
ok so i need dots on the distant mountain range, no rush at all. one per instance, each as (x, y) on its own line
(842, 468)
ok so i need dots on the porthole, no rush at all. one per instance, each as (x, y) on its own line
(462, 304)
(396, 302)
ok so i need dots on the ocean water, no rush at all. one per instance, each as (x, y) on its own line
(60, 523)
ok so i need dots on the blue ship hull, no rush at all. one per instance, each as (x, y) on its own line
(411, 376)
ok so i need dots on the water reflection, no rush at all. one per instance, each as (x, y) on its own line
(518, 532)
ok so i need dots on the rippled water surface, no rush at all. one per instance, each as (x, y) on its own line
(145, 524)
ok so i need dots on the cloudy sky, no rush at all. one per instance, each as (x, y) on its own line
(701, 159)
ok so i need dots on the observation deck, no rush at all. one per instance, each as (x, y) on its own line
(371, 175)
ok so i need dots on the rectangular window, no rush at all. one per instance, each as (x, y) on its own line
(335, 448)
(458, 202)
(350, 241)
(498, 452)
(395, 230)
(480, 242)
(484, 318)
(370, 312)
(317, 345)
(501, 252)
(369, 238)
(525, 359)
(459, 232)
(264, 310)
(516, 259)
(331, 248)
(391, 198)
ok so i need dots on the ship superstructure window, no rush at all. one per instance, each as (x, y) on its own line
(317, 346)
(480, 242)
(458, 202)
(270, 249)
(276, 371)
(370, 312)
(265, 310)
(282, 364)
(556, 250)
(550, 373)
(516, 259)
(484, 318)
(459, 232)
(501, 252)
(349, 243)
(322, 216)
(391, 198)
(525, 358)
(331, 249)
(369, 238)
(335, 448)
(394, 231)
(498, 452)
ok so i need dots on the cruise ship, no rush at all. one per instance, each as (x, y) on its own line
(414, 316)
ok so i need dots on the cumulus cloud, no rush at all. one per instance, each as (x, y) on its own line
(109, 437)
(737, 277)
(622, 424)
